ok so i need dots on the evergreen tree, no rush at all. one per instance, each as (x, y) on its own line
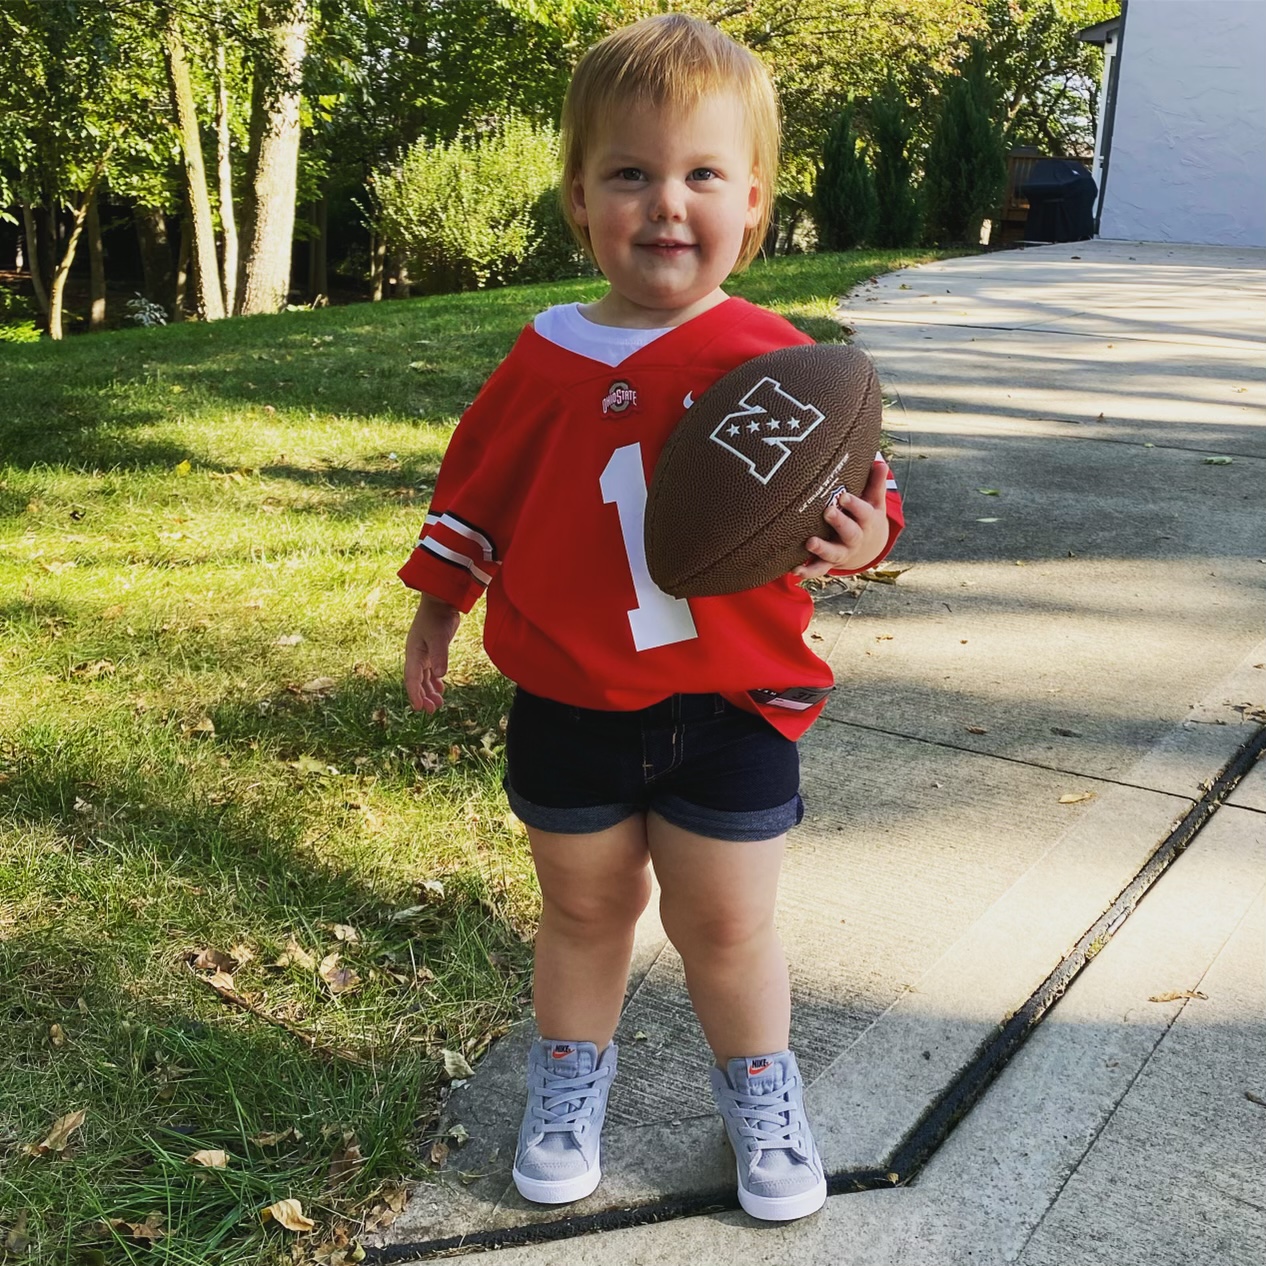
(966, 167)
(897, 220)
(844, 193)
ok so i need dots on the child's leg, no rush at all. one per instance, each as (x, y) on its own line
(717, 905)
(593, 888)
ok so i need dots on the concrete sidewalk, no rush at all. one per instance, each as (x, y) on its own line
(1082, 618)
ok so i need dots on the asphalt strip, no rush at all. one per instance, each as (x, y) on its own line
(950, 1106)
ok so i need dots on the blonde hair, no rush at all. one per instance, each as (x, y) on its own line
(670, 62)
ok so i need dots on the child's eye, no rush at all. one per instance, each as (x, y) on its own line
(703, 173)
(629, 173)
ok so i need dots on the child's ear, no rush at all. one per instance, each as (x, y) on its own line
(579, 211)
(753, 203)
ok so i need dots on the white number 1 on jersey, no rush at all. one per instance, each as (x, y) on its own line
(658, 619)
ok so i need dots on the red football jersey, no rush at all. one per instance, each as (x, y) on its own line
(540, 501)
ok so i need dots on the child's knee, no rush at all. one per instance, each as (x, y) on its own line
(716, 931)
(603, 909)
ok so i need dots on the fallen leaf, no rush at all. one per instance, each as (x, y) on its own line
(1218, 461)
(1257, 1099)
(274, 1137)
(147, 1231)
(58, 1138)
(17, 1241)
(1076, 797)
(209, 1158)
(1177, 994)
(214, 961)
(98, 668)
(455, 1065)
(345, 1161)
(182, 469)
(883, 575)
(204, 726)
(288, 1213)
(337, 979)
(57, 1036)
(986, 520)
(975, 729)
(1063, 733)
(318, 686)
(439, 1153)
(289, 639)
(372, 599)
(640, 1037)
(990, 492)
(345, 932)
(460, 1135)
(310, 765)
(294, 955)
(432, 887)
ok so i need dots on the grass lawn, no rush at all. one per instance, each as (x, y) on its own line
(250, 905)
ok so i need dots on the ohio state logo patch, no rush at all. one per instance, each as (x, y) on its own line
(620, 398)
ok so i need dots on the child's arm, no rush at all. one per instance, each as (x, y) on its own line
(862, 526)
(426, 652)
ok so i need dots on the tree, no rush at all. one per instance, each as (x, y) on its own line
(274, 156)
(966, 166)
(891, 131)
(206, 272)
(1048, 79)
(844, 193)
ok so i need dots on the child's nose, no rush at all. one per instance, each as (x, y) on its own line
(669, 202)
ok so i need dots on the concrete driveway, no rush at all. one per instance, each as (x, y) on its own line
(1072, 661)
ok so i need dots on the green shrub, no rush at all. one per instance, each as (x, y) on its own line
(469, 212)
(844, 194)
(891, 126)
(17, 323)
(966, 168)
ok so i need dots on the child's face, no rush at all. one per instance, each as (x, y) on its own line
(666, 200)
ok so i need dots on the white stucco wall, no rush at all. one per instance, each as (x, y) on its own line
(1188, 153)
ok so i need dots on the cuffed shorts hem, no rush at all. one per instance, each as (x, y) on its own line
(715, 824)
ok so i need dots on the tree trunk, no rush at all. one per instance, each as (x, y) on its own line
(400, 270)
(46, 241)
(377, 265)
(156, 261)
(58, 289)
(33, 257)
(318, 254)
(96, 265)
(179, 311)
(274, 158)
(224, 164)
(210, 296)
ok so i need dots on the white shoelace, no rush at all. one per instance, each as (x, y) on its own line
(769, 1122)
(566, 1104)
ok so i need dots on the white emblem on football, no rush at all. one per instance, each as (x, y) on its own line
(767, 420)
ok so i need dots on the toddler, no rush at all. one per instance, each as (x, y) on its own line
(646, 730)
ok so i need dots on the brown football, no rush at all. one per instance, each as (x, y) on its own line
(747, 475)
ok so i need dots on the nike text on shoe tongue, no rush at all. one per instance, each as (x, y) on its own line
(758, 1074)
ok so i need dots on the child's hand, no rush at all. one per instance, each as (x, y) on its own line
(426, 652)
(860, 525)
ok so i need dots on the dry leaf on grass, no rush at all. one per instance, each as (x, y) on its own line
(337, 979)
(439, 1153)
(345, 1161)
(1077, 797)
(288, 1213)
(1174, 995)
(17, 1241)
(57, 1036)
(345, 932)
(209, 1158)
(318, 686)
(272, 1138)
(294, 955)
(148, 1231)
(455, 1065)
(213, 960)
(58, 1138)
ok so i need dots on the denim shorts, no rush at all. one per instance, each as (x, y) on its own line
(702, 763)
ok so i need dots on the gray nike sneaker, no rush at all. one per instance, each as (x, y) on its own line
(558, 1157)
(761, 1099)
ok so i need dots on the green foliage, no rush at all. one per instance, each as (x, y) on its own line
(844, 195)
(471, 212)
(966, 167)
(1048, 79)
(891, 131)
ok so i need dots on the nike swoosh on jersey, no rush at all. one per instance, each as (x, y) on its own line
(688, 402)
